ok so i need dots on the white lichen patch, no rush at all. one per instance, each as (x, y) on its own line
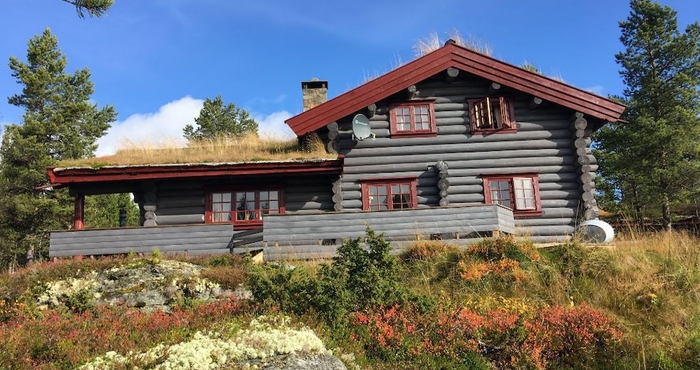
(137, 284)
(56, 290)
(264, 338)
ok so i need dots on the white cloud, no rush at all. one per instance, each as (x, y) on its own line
(273, 124)
(165, 125)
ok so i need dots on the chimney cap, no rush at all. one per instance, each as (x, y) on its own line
(314, 83)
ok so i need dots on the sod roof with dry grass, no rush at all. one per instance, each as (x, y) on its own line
(218, 151)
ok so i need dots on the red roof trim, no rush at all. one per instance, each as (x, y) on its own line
(60, 177)
(464, 59)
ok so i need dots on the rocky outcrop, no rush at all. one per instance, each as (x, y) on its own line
(151, 284)
(144, 284)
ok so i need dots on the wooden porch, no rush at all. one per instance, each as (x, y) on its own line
(292, 236)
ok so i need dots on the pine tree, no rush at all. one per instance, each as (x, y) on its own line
(216, 120)
(93, 8)
(59, 123)
(654, 158)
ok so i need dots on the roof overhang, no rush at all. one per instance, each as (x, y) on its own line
(62, 177)
(452, 55)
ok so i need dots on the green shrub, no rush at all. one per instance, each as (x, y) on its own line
(357, 279)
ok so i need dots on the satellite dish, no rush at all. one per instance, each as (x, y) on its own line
(360, 127)
(596, 231)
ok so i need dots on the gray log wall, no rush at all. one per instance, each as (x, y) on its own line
(182, 202)
(543, 144)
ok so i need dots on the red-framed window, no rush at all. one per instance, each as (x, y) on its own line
(520, 192)
(491, 115)
(413, 119)
(243, 208)
(385, 194)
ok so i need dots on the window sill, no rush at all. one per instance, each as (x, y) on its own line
(247, 225)
(413, 134)
(494, 131)
(518, 214)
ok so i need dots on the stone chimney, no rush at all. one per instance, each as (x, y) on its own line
(315, 92)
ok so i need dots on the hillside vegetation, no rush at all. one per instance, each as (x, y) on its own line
(499, 304)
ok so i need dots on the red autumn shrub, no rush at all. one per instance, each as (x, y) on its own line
(57, 339)
(507, 338)
(568, 336)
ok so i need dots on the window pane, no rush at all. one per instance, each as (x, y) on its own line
(274, 195)
(226, 197)
(401, 196)
(524, 193)
(496, 113)
(246, 207)
(378, 197)
(500, 192)
(403, 119)
(422, 118)
(263, 196)
(216, 197)
(274, 207)
(481, 119)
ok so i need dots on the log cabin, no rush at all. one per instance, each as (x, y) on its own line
(455, 145)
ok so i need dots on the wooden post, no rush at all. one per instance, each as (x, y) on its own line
(79, 212)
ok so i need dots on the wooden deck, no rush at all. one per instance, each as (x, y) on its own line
(190, 239)
(287, 236)
(291, 236)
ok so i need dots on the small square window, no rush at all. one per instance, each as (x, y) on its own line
(517, 192)
(492, 114)
(413, 119)
(379, 195)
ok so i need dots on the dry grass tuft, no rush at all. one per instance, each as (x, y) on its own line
(249, 148)
(655, 282)
(433, 42)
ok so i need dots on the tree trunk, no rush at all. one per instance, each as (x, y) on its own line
(637, 204)
(666, 213)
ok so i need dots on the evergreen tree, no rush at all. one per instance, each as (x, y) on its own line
(216, 120)
(654, 158)
(93, 8)
(59, 123)
(102, 211)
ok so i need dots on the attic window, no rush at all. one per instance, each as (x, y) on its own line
(492, 114)
(413, 119)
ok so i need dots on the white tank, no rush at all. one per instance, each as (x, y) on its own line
(595, 231)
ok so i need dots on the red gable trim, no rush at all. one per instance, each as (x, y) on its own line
(60, 177)
(466, 60)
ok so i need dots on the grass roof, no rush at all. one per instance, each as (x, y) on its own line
(221, 150)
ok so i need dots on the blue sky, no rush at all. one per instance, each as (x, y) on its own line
(157, 60)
